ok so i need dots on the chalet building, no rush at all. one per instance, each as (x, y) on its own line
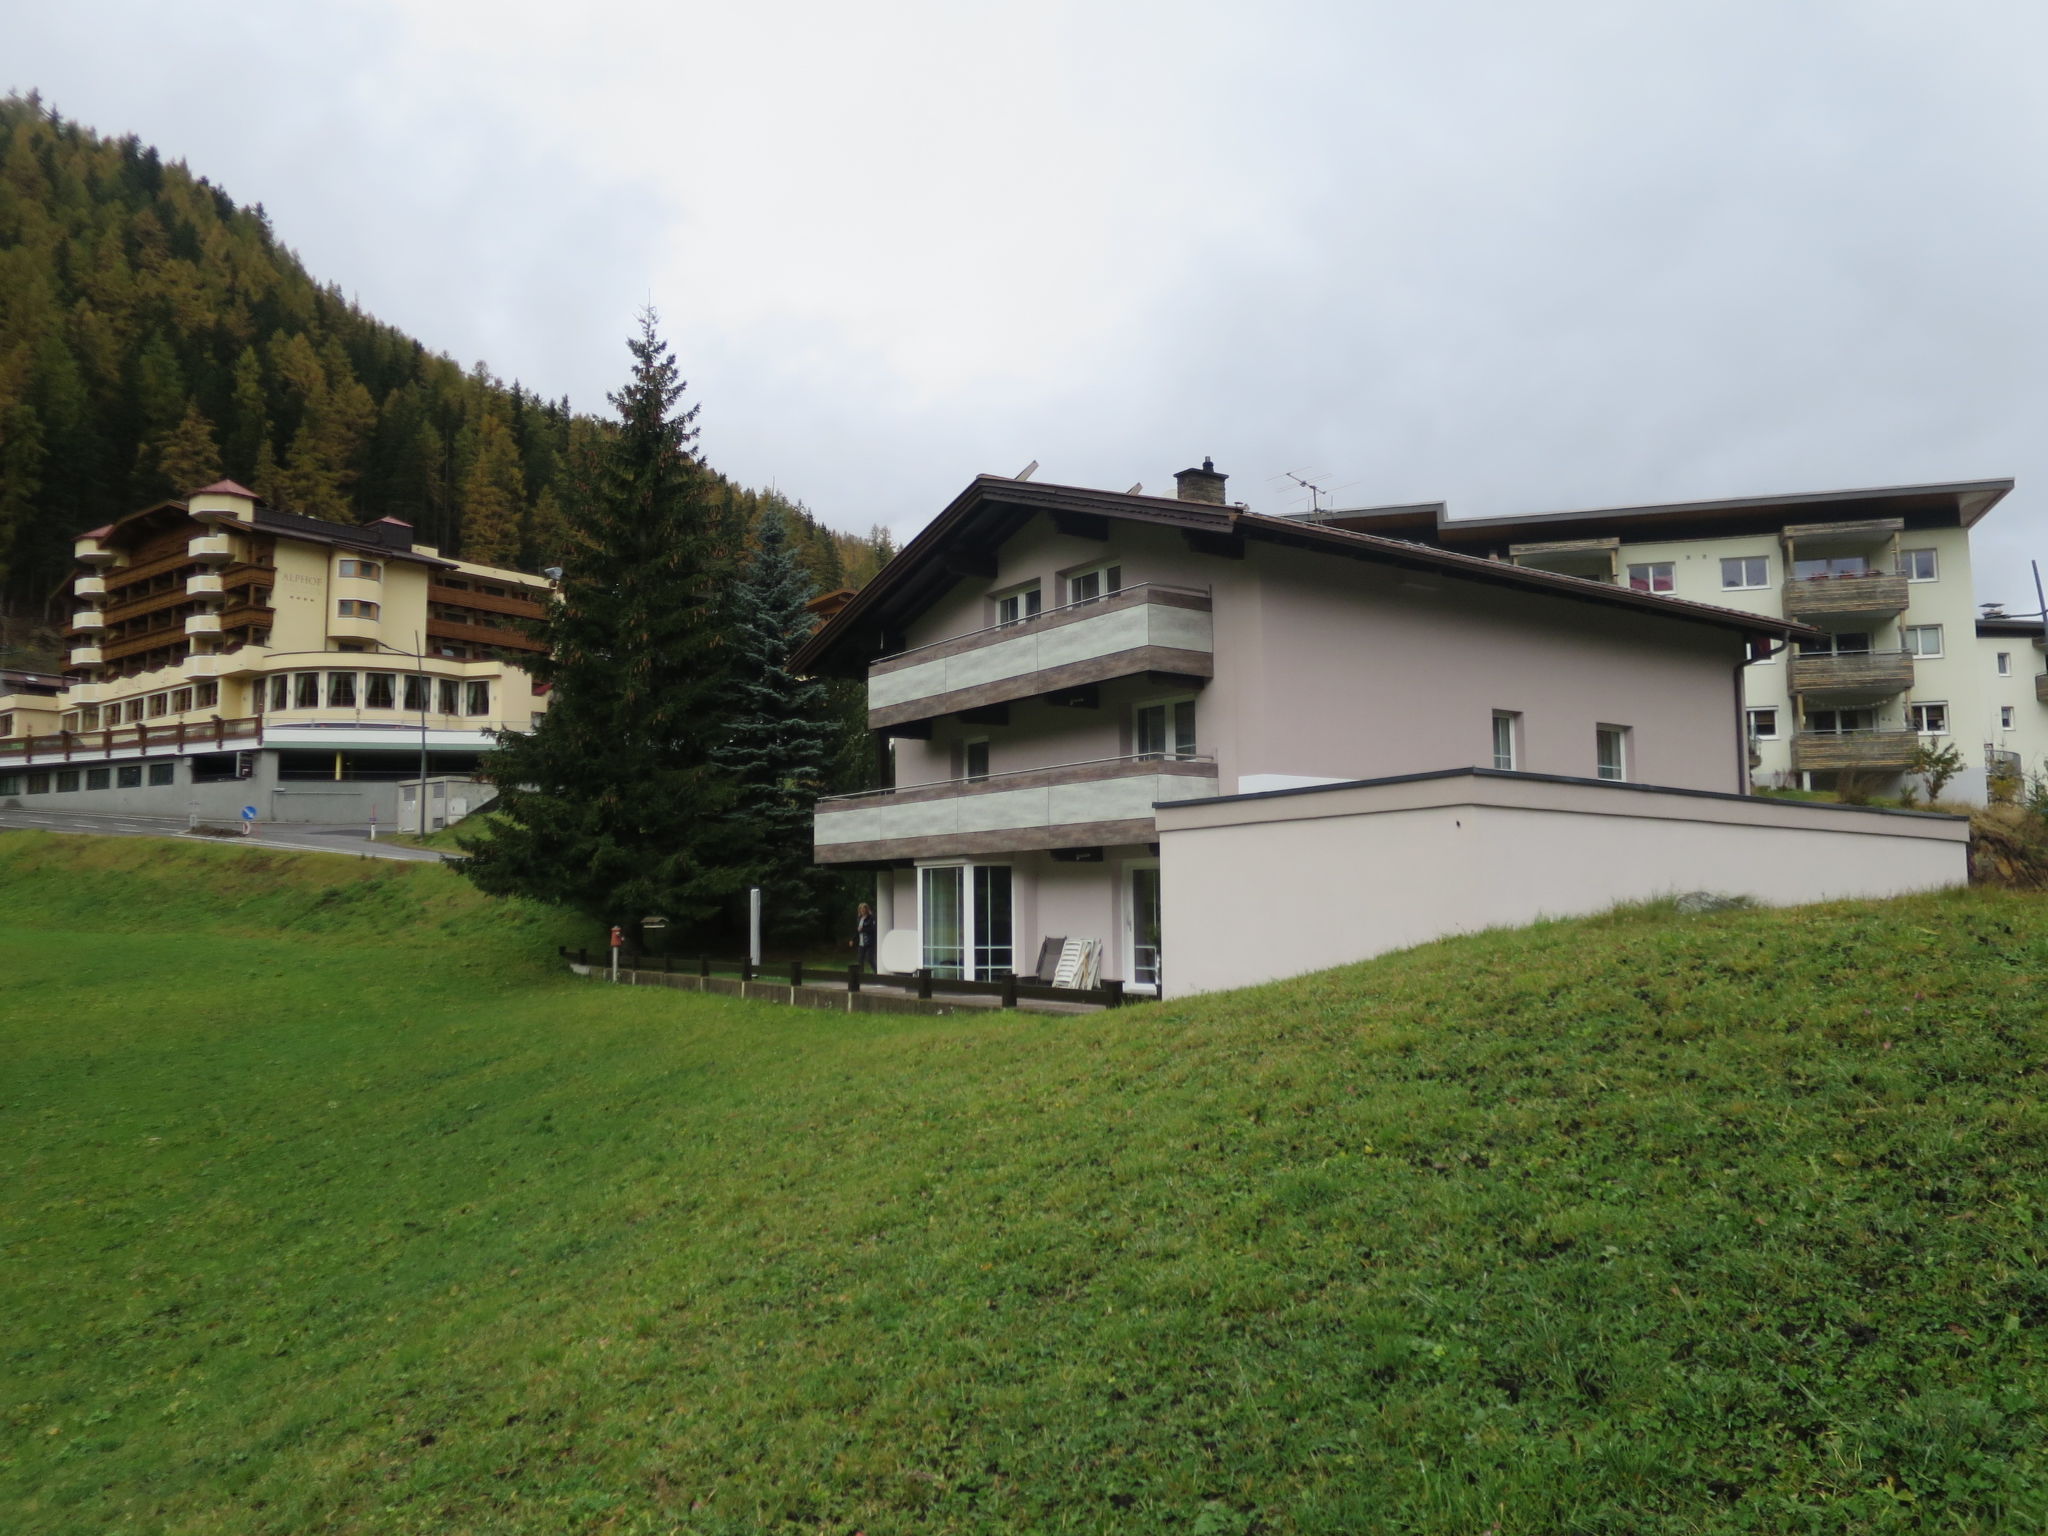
(1884, 575)
(1066, 686)
(224, 654)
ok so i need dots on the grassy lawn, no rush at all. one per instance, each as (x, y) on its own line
(330, 1205)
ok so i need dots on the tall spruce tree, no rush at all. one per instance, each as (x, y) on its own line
(781, 742)
(615, 803)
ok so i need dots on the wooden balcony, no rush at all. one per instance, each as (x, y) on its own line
(2041, 687)
(75, 746)
(1145, 628)
(1074, 805)
(1830, 600)
(481, 634)
(1867, 751)
(1874, 673)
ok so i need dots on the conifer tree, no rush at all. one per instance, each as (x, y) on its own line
(615, 803)
(493, 497)
(780, 742)
(187, 456)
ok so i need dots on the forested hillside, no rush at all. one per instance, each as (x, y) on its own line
(154, 335)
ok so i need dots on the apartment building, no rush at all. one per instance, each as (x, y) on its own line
(1883, 574)
(1050, 669)
(224, 654)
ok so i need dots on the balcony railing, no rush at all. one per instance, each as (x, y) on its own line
(1874, 751)
(1873, 594)
(206, 584)
(90, 586)
(1150, 627)
(1872, 672)
(88, 618)
(210, 546)
(1098, 803)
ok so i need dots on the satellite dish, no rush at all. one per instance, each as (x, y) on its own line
(1027, 471)
(901, 951)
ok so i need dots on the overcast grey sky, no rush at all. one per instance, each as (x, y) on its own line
(1520, 255)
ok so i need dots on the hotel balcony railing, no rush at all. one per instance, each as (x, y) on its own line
(86, 656)
(206, 584)
(90, 586)
(1872, 751)
(88, 618)
(1872, 672)
(1100, 803)
(1872, 594)
(210, 546)
(89, 552)
(71, 746)
(1149, 627)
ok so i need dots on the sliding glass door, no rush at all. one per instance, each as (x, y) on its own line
(964, 917)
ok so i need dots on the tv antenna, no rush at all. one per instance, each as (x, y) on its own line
(1027, 471)
(1311, 480)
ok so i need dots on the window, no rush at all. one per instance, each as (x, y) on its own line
(206, 696)
(362, 570)
(10, 784)
(378, 691)
(6, 724)
(1763, 724)
(416, 692)
(965, 920)
(1507, 740)
(163, 773)
(1834, 722)
(1928, 719)
(2005, 663)
(1610, 751)
(1016, 607)
(181, 701)
(1654, 577)
(67, 780)
(159, 704)
(341, 690)
(1919, 565)
(2005, 717)
(88, 719)
(1923, 639)
(349, 608)
(1850, 642)
(451, 697)
(136, 707)
(128, 776)
(1744, 572)
(39, 783)
(1165, 729)
(479, 701)
(280, 691)
(306, 690)
(974, 757)
(1096, 581)
(99, 778)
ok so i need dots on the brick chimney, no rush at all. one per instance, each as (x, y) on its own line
(1203, 484)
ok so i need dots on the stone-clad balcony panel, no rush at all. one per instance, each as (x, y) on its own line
(1147, 628)
(1092, 804)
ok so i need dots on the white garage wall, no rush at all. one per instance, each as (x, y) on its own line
(1257, 887)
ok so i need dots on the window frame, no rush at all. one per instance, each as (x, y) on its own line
(1745, 561)
(476, 698)
(1176, 748)
(1507, 726)
(2004, 663)
(1750, 722)
(341, 690)
(967, 746)
(1110, 582)
(1026, 600)
(1933, 561)
(1907, 632)
(2005, 717)
(305, 690)
(1915, 717)
(1617, 772)
(1668, 567)
(351, 568)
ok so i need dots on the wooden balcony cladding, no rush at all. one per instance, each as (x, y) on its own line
(74, 746)
(245, 573)
(145, 607)
(1819, 599)
(120, 576)
(1075, 805)
(138, 645)
(483, 602)
(247, 616)
(2041, 687)
(1872, 751)
(1145, 628)
(479, 634)
(1879, 672)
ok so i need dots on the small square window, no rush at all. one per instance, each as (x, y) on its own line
(99, 778)
(163, 773)
(1097, 581)
(10, 784)
(159, 704)
(974, 758)
(1928, 719)
(1657, 576)
(1763, 724)
(67, 780)
(181, 701)
(1923, 640)
(1745, 572)
(1610, 751)
(206, 696)
(128, 776)
(1024, 603)
(2005, 663)
(1919, 565)
(39, 783)
(2005, 717)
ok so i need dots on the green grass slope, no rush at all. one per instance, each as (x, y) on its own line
(329, 1206)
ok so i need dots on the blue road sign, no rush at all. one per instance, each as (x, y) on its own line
(248, 813)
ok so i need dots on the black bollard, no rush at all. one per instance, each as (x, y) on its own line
(924, 982)
(853, 977)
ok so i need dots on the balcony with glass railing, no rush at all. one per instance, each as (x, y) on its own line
(1150, 627)
(1099, 803)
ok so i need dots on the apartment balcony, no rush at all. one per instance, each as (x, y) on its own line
(206, 584)
(1876, 673)
(88, 619)
(1076, 805)
(202, 623)
(1144, 628)
(2041, 687)
(1833, 600)
(1866, 751)
(86, 655)
(89, 586)
(210, 546)
(90, 552)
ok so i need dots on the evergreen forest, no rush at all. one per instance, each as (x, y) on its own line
(155, 334)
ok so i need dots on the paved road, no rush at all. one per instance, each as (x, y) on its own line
(348, 840)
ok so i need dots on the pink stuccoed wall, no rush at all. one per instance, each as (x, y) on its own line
(1278, 885)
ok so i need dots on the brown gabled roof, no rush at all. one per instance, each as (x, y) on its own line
(993, 508)
(223, 488)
